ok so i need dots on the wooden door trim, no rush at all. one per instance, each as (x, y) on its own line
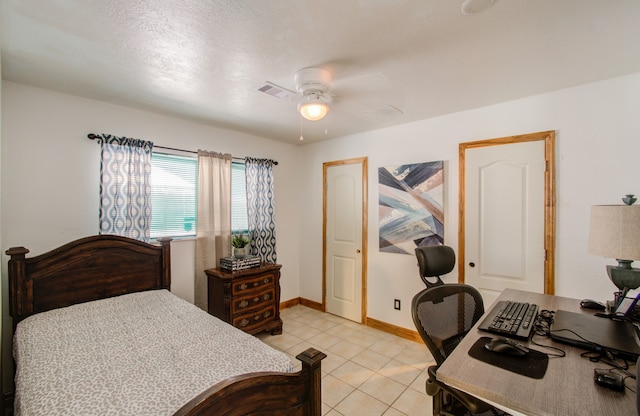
(549, 200)
(364, 229)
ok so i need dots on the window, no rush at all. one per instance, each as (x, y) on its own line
(239, 221)
(174, 196)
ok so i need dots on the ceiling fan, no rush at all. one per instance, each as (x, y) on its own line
(370, 96)
(313, 84)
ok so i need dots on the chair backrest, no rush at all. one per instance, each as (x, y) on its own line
(443, 315)
(434, 261)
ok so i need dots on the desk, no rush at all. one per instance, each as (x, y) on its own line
(566, 389)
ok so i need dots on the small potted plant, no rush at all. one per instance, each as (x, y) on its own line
(240, 245)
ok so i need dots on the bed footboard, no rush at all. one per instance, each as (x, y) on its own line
(264, 393)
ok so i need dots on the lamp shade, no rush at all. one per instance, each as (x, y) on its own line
(615, 231)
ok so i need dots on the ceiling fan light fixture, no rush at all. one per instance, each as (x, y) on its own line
(471, 7)
(312, 108)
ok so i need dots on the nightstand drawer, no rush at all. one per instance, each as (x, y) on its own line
(254, 319)
(241, 304)
(242, 286)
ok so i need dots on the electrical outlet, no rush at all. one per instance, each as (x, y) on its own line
(396, 304)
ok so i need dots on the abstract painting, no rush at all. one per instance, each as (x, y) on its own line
(411, 206)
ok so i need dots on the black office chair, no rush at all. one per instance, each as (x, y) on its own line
(443, 314)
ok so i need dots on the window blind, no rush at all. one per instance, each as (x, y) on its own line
(173, 195)
(239, 222)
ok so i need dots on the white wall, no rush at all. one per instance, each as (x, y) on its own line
(597, 144)
(51, 172)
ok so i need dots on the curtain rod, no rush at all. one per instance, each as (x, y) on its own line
(95, 136)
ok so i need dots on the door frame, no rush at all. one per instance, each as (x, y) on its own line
(364, 229)
(549, 199)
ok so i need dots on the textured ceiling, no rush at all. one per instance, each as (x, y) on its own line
(205, 60)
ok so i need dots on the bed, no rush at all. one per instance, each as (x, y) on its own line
(97, 331)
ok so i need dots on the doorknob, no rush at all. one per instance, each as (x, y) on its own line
(358, 251)
(472, 264)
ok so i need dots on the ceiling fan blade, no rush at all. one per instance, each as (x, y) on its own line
(361, 84)
(370, 96)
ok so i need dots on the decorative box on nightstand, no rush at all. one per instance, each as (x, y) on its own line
(247, 299)
(233, 264)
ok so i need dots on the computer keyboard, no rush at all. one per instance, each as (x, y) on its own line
(511, 319)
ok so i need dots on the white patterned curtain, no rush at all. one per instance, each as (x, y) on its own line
(213, 229)
(125, 190)
(260, 208)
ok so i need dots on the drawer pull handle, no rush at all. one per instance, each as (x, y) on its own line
(267, 314)
(266, 280)
(243, 286)
(244, 323)
(243, 304)
(266, 296)
(256, 284)
(256, 299)
(256, 318)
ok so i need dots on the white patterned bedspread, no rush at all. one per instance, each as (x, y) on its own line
(144, 353)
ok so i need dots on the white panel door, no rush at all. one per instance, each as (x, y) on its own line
(343, 241)
(504, 218)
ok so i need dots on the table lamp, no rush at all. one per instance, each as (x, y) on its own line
(615, 233)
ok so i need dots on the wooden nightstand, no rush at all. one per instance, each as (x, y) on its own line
(247, 299)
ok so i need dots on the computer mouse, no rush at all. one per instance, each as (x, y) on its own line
(592, 304)
(507, 347)
(609, 380)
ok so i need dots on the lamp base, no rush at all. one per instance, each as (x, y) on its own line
(625, 277)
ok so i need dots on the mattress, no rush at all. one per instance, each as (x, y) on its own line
(145, 353)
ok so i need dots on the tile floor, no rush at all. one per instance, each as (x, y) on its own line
(366, 372)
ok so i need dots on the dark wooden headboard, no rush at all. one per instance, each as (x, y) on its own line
(83, 270)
